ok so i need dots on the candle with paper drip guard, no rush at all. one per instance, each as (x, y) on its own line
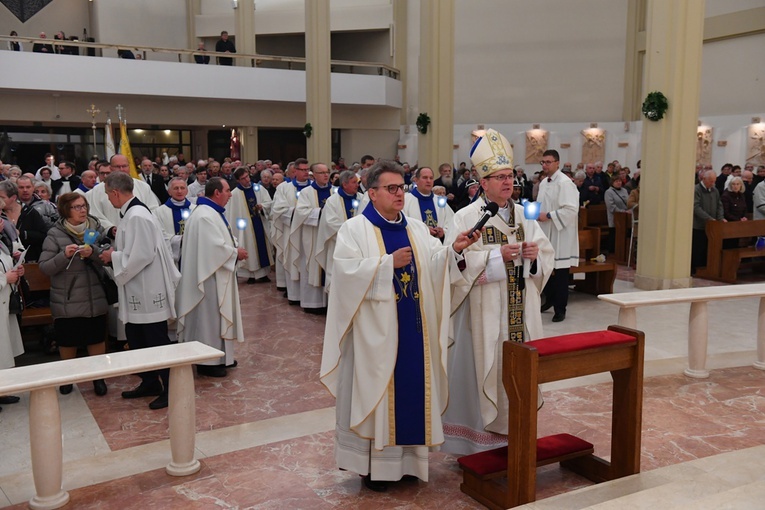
(256, 187)
(185, 213)
(241, 224)
(441, 201)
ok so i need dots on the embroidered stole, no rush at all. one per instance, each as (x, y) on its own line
(257, 225)
(499, 232)
(408, 395)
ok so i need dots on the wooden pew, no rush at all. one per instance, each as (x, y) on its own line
(43, 380)
(527, 365)
(599, 276)
(717, 231)
(622, 227)
(38, 282)
(595, 216)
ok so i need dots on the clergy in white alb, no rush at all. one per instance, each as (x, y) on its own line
(146, 279)
(304, 232)
(499, 301)
(339, 208)
(101, 208)
(252, 203)
(10, 336)
(421, 203)
(384, 354)
(282, 210)
(559, 216)
(87, 181)
(208, 295)
(172, 215)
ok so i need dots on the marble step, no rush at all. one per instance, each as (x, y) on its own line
(712, 482)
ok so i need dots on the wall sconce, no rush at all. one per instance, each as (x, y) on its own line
(593, 124)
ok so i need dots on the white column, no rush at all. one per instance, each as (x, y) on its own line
(244, 17)
(698, 337)
(47, 450)
(318, 93)
(182, 422)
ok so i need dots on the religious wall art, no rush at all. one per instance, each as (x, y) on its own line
(536, 145)
(594, 146)
(755, 146)
(704, 146)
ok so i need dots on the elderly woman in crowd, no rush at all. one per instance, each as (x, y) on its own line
(14, 173)
(10, 336)
(77, 299)
(733, 200)
(30, 225)
(42, 190)
(616, 200)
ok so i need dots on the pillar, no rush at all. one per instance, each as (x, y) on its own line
(436, 82)
(248, 136)
(244, 18)
(193, 8)
(318, 98)
(400, 39)
(673, 66)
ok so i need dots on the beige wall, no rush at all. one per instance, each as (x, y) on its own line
(71, 16)
(376, 142)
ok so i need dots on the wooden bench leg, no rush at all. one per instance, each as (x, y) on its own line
(760, 363)
(47, 449)
(182, 422)
(698, 337)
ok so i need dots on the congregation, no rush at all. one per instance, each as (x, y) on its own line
(177, 238)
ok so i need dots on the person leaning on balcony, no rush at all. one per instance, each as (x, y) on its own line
(224, 45)
(202, 59)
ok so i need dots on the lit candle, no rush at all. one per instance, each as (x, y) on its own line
(441, 202)
(185, 213)
(334, 189)
(354, 206)
(297, 194)
(531, 210)
(256, 187)
(241, 224)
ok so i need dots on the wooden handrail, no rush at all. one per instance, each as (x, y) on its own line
(256, 60)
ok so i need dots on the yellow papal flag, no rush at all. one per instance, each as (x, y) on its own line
(125, 149)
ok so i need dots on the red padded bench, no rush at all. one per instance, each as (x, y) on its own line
(506, 477)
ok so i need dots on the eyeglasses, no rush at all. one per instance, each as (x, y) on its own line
(393, 188)
(544, 162)
(500, 178)
(81, 207)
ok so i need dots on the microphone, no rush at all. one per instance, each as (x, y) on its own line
(489, 211)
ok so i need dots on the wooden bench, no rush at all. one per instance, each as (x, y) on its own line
(599, 276)
(38, 282)
(44, 379)
(506, 477)
(717, 232)
(622, 227)
(593, 216)
(698, 319)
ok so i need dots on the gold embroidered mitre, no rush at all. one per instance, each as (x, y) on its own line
(491, 153)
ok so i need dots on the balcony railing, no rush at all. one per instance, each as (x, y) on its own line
(251, 60)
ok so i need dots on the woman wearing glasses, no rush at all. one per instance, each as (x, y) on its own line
(77, 299)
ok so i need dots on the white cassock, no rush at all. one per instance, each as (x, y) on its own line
(196, 189)
(144, 270)
(10, 336)
(332, 218)
(101, 208)
(165, 216)
(560, 198)
(361, 341)
(237, 208)
(304, 231)
(208, 296)
(285, 200)
(364, 201)
(442, 216)
(478, 405)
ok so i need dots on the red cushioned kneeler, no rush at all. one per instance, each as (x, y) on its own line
(506, 477)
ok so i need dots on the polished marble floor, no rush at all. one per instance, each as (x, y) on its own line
(265, 431)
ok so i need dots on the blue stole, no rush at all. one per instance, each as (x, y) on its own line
(322, 193)
(348, 201)
(178, 221)
(427, 208)
(257, 225)
(220, 210)
(82, 188)
(409, 373)
(301, 187)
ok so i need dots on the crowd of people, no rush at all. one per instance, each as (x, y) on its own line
(421, 276)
